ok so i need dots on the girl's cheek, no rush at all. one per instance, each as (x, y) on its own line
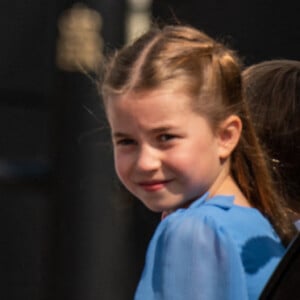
(121, 165)
(175, 159)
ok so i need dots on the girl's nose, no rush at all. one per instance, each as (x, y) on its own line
(148, 159)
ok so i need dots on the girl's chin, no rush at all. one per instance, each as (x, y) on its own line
(156, 209)
(163, 208)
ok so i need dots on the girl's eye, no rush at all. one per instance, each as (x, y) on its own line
(166, 137)
(125, 142)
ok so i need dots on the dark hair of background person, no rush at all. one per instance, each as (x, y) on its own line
(272, 90)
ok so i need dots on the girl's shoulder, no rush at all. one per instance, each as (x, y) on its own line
(218, 237)
(219, 216)
(217, 210)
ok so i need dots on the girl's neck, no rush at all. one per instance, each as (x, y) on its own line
(226, 185)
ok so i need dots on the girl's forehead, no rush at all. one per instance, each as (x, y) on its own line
(151, 107)
(156, 101)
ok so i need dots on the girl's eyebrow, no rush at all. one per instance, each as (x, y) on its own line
(161, 129)
(119, 135)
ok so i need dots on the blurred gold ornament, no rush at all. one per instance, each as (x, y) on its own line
(79, 44)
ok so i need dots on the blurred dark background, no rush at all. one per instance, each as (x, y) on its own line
(64, 232)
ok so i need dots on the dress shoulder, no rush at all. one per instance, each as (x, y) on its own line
(192, 257)
(208, 252)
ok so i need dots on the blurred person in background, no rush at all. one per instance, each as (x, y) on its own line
(272, 90)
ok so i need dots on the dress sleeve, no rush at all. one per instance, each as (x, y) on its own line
(192, 259)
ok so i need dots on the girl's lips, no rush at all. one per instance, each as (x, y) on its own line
(152, 186)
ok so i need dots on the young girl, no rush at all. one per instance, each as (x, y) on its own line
(184, 145)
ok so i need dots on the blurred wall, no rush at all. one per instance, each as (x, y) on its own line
(258, 30)
(27, 147)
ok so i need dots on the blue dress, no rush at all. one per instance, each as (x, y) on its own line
(212, 250)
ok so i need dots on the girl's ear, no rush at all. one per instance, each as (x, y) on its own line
(228, 135)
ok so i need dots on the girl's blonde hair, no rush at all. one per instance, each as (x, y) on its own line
(181, 57)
